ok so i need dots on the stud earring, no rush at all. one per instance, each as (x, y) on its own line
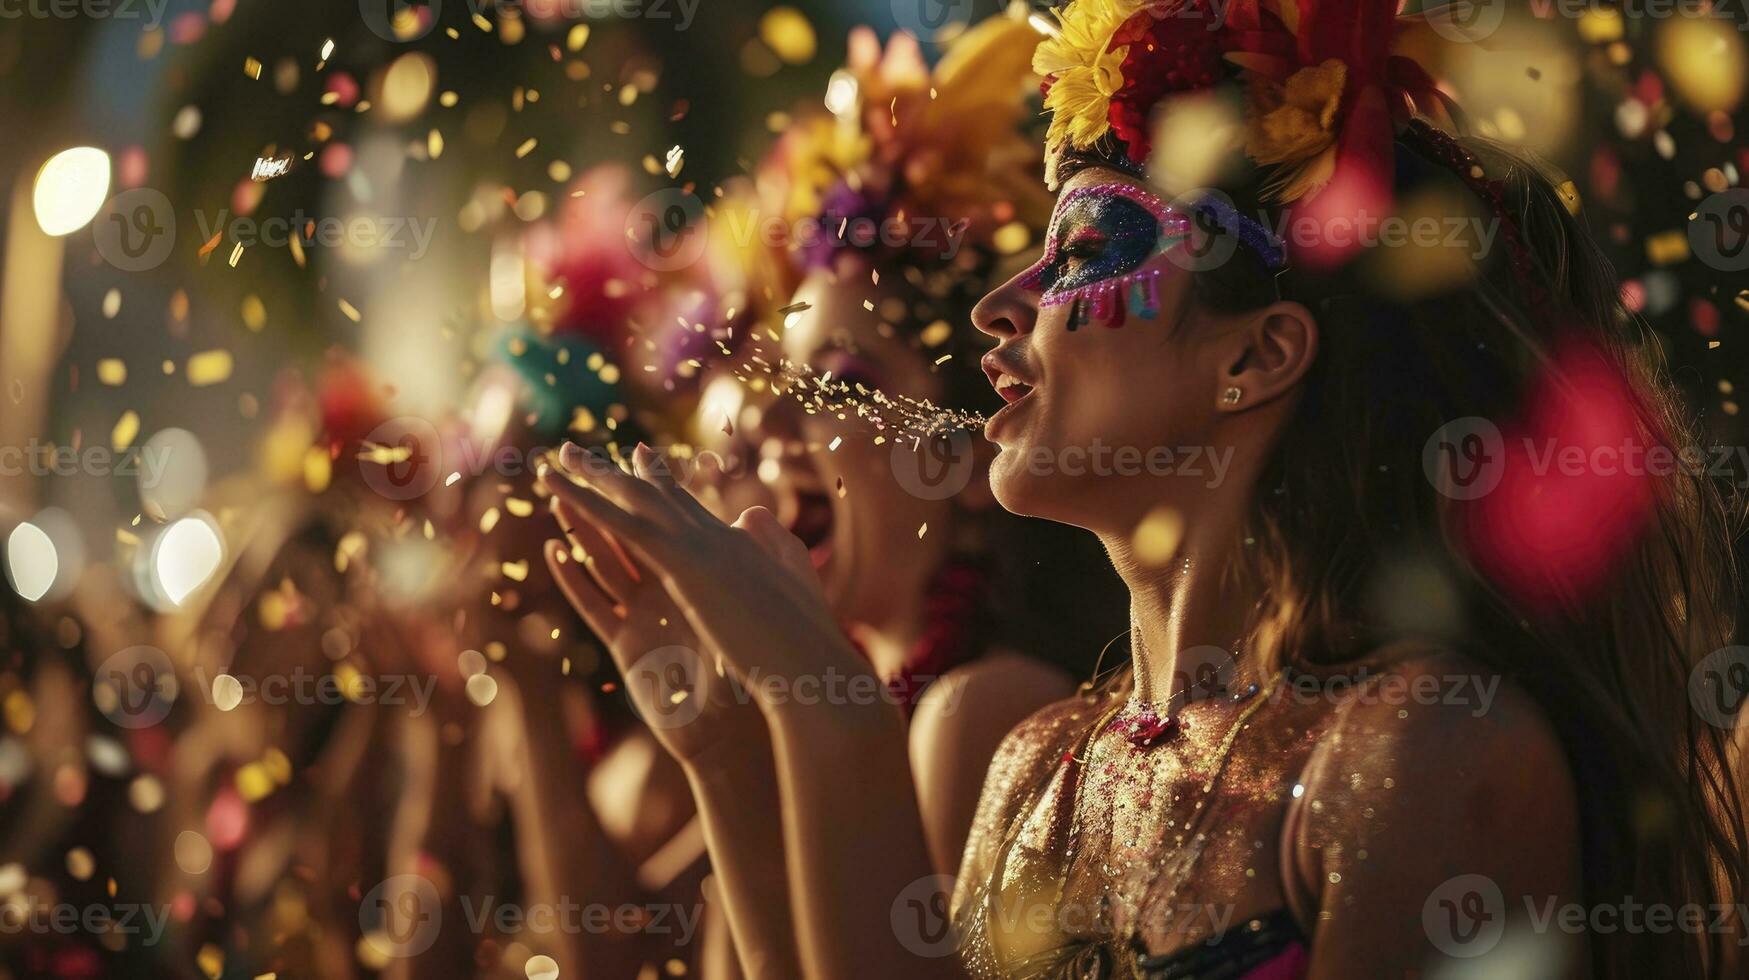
(1231, 396)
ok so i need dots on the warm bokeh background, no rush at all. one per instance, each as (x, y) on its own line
(238, 367)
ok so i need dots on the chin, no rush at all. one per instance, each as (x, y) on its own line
(1019, 492)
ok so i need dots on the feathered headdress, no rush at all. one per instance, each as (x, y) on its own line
(1324, 87)
(902, 144)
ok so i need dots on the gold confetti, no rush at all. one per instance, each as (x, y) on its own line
(348, 309)
(1156, 538)
(1011, 238)
(254, 313)
(126, 428)
(210, 959)
(209, 368)
(112, 371)
(787, 32)
(1667, 248)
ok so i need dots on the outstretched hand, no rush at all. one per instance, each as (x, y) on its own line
(747, 590)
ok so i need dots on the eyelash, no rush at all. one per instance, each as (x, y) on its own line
(1045, 274)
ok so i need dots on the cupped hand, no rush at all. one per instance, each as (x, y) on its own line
(676, 684)
(747, 589)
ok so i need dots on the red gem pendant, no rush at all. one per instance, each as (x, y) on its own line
(1145, 727)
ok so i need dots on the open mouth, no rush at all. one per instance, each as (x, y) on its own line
(812, 523)
(1011, 388)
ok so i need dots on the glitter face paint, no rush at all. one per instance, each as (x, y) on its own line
(1100, 238)
(1102, 235)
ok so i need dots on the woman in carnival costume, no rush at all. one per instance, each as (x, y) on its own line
(1285, 783)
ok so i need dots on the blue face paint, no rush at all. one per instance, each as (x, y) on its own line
(1100, 237)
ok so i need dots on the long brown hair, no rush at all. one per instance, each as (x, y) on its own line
(1662, 811)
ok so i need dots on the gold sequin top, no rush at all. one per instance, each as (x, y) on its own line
(1087, 851)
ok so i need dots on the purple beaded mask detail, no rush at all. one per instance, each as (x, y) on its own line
(1102, 236)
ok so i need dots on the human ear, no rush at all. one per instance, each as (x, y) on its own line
(1273, 349)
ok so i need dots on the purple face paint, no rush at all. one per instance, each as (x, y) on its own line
(1100, 238)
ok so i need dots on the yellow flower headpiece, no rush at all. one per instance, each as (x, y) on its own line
(1324, 84)
(902, 142)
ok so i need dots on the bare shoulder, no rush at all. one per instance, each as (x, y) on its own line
(1437, 774)
(1023, 758)
(1477, 727)
(998, 690)
(956, 731)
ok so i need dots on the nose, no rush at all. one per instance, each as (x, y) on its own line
(1009, 310)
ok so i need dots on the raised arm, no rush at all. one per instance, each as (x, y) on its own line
(719, 738)
(854, 842)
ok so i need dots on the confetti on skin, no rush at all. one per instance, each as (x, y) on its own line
(1156, 538)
